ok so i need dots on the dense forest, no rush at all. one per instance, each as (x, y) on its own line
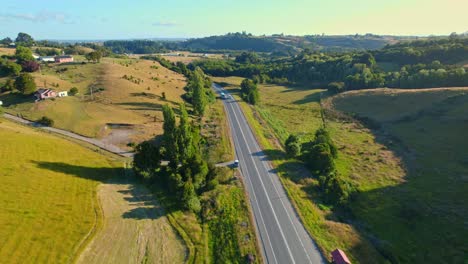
(431, 65)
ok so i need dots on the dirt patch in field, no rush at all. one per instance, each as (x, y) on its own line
(135, 229)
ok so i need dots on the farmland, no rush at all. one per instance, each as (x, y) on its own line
(48, 197)
(53, 212)
(121, 91)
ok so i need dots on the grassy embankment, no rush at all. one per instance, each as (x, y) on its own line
(134, 100)
(48, 198)
(421, 219)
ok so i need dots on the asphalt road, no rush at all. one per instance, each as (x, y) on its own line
(281, 234)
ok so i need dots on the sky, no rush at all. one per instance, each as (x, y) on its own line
(124, 19)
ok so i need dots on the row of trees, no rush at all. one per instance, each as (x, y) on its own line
(187, 173)
(320, 155)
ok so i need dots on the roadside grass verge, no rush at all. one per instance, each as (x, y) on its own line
(48, 196)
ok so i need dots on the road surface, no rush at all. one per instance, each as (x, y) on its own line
(281, 234)
(96, 142)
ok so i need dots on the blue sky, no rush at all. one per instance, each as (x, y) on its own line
(120, 19)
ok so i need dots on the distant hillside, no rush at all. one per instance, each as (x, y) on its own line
(236, 41)
(282, 43)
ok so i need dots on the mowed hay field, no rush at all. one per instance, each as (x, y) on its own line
(124, 91)
(422, 219)
(135, 228)
(48, 197)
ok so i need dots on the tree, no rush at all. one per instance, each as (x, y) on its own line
(9, 68)
(170, 137)
(8, 86)
(199, 96)
(30, 66)
(249, 91)
(24, 39)
(189, 197)
(184, 134)
(23, 54)
(293, 147)
(6, 41)
(94, 56)
(45, 121)
(147, 159)
(73, 91)
(336, 190)
(336, 87)
(25, 84)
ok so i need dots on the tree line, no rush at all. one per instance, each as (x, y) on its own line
(355, 70)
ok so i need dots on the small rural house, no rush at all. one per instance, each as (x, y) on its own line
(339, 257)
(47, 59)
(62, 94)
(63, 58)
(36, 57)
(43, 94)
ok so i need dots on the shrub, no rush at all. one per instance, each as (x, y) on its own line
(293, 147)
(73, 91)
(30, 66)
(336, 87)
(46, 121)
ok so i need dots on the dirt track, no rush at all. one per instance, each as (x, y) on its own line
(134, 230)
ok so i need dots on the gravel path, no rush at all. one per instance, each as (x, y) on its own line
(96, 142)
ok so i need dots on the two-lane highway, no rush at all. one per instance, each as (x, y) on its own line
(282, 236)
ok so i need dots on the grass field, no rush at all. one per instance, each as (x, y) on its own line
(48, 197)
(423, 218)
(135, 228)
(135, 100)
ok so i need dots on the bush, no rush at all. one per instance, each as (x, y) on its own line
(293, 147)
(336, 87)
(73, 91)
(45, 121)
(25, 84)
(30, 66)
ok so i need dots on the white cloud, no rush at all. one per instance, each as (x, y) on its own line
(40, 17)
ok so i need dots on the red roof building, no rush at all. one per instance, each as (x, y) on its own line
(339, 257)
(64, 58)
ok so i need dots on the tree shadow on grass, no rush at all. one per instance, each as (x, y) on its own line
(270, 154)
(143, 203)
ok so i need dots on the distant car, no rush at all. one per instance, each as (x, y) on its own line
(236, 163)
(223, 96)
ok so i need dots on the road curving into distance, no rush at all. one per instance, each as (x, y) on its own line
(282, 236)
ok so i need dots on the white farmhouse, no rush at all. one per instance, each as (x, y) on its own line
(62, 94)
